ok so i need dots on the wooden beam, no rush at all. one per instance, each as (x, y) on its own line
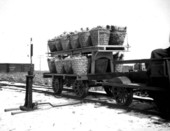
(134, 85)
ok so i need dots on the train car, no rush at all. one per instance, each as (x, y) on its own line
(118, 84)
(14, 67)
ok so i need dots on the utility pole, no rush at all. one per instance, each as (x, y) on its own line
(128, 46)
(31, 51)
(40, 57)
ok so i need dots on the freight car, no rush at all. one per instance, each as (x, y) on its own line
(14, 67)
(117, 84)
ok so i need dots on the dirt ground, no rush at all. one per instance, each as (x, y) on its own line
(73, 114)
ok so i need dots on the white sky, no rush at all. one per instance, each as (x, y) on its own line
(147, 21)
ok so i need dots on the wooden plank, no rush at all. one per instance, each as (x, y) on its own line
(111, 47)
(103, 76)
(90, 49)
(139, 61)
(134, 85)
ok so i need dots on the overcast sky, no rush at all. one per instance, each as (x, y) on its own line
(147, 21)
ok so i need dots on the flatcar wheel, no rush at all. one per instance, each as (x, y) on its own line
(123, 96)
(108, 90)
(80, 88)
(57, 85)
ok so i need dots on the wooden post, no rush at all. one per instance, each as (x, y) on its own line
(93, 63)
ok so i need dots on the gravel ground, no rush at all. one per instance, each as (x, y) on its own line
(86, 116)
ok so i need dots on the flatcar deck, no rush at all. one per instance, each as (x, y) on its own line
(107, 76)
(99, 48)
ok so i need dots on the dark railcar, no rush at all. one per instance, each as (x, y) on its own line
(14, 67)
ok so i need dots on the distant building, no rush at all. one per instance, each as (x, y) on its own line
(127, 68)
(139, 67)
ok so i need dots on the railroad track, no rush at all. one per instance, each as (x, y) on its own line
(100, 98)
(45, 89)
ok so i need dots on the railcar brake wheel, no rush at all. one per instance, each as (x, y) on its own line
(123, 96)
(57, 85)
(118, 80)
(108, 90)
(80, 88)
